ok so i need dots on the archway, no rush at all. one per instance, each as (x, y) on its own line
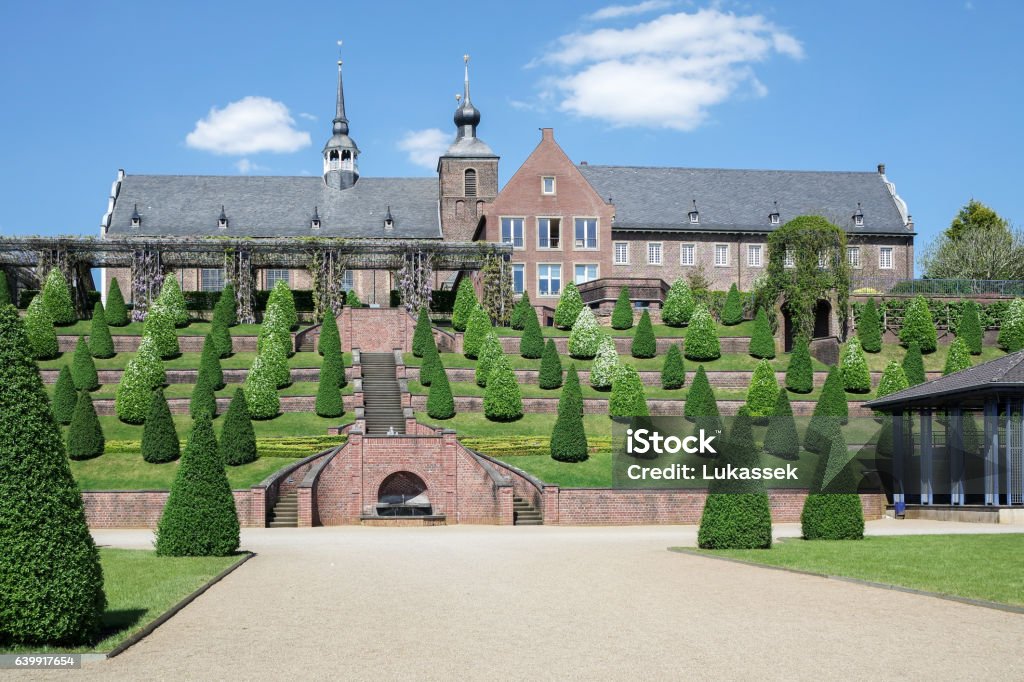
(403, 494)
(822, 319)
(787, 329)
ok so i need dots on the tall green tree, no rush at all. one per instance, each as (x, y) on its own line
(957, 358)
(229, 305)
(85, 436)
(430, 364)
(673, 372)
(83, 369)
(969, 328)
(702, 337)
(869, 328)
(423, 330)
(570, 303)
(101, 344)
(238, 439)
(979, 244)
(503, 400)
(972, 216)
(204, 400)
(57, 296)
(550, 375)
(569, 437)
(440, 404)
(831, 408)
(518, 318)
(117, 311)
(732, 312)
(41, 336)
(465, 304)
(477, 328)
(490, 351)
(679, 304)
(143, 373)
(622, 314)
(854, 368)
(781, 438)
(627, 398)
(913, 365)
(762, 392)
(281, 297)
(762, 342)
(644, 343)
(261, 390)
(173, 300)
(328, 396)
(159, 326)
(209, 363)
(532, 343)
(800, 371)
(918, 325)
(330, 339)
(64, 396)
(159, 437)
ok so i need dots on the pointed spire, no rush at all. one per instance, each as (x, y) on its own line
(340, 120)
(465, 59)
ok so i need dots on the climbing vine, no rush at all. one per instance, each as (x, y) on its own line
(239, 269)
(326, 272)
(414, 280)
(147, 278)
(497, 290)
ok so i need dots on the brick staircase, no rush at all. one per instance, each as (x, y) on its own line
(286, 512)
(524, 513)
(382, 397)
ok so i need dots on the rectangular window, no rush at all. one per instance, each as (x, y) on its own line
(549, 233)
(276, 275)
(518, 278)
(754, 255)
(549, 280)
(853, 256)
(512, 232)
(586, 233)
(790, 258)
(654, 253)
(822, 260)
(348, 281)
(622, 253)
(211, 279)
(547, 184)
(885, 258)
(721, 255)
(586, 273)
(686, 254)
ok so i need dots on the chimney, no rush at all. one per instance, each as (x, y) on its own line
(910, 222)
(547, 134)
(583, 163)
(881, 169)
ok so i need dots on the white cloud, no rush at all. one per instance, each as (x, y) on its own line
(308, 117)
(247, 167)
(667, 72)
(425, 146)
(619, 11)
(248, 126)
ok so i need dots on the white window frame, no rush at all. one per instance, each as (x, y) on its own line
(725, 263)
(597, 232)
(204, 273)
(753, 262)
(575, 274)
(550, 294)
(891, 251)
(273, 275)
(690, 249)
(521, 268)
(543, 185)
(853, 257)
(512, 235)
(348, 280)
(561, 233)
(773, 218)
(661, 253)
(615, 253)
(790, 258)
(858, 221)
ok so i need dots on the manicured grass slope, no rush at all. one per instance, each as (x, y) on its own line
(745, 328)
(128, 471)
(135, 329)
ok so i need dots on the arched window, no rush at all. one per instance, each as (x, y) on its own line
(470, 183)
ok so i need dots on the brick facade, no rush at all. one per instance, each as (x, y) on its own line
(142, 508)
(460, 213)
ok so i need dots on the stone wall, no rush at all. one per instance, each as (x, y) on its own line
(142, 508)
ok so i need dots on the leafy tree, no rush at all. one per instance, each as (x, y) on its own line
(42, 338)
(532, 344)
(781, 438)
(83, 369)
(101, 344)
(430, 364)
(518, 318)
(209, 363)
(762, 342)
(276, 359)
(831, 408)
(275, 326)
(570, 303)
(5, 291)
(957, 358)
(627, 399)
(465, 304)
(199, 518)
(352, 299)
(569, 437)
(622, 314)
(490, 350)
(918, 325)
(159, 437)
(732, 312)
(503, 401)
(159, 326)
(673, 372)
(57, 297)
(330, 339)
(64, 396)
(869, 328)
(228, 305)
(762, 392)
(702, 337)
(85, 436)
(116, 310)
(1011, 330)
(204, 400)
(979, 244)
(238, 439)
(831, 511)
(679, 304)
(173, 300)
(261, 390)
(585, 337)
(974, 215)
(606, 364)
(644, 343)
(913, 365)
(477, 328)
(51, 583)
(969, 328)
(800, 372)
(328, 396)
(440, 404)
(854, 368)
(281, 297)
(550, 367)
(423, 330)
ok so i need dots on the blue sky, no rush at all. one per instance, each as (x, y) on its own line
(932, 89)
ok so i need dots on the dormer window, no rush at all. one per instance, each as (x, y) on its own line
(389, 221)
(136, 218)
(773, 217)
(547, 184)
(858, 217)
(694, 214)
(314, 222)
(222, 220)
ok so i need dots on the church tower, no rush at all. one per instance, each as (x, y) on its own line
(340, 153)
(467, 172)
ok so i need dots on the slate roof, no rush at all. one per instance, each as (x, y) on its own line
(267, 206)
(660, 199)
(1001, 373)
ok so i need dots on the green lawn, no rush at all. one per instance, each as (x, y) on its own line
(82, 327)
(306, 388)
(140, 586)
(128, 471)
(985, 567)
(241, 360)
(933, 362)
(745, 328)
(535, 391)
(287, 425)
(728, 362)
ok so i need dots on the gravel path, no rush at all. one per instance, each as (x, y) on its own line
(467, 602)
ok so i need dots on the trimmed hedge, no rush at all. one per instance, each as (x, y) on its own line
(490, 351)
(41, 336)
(277, 360)
(800, 371)
(585, 337)
(141, 375)
(854, 368)
(732, 312)
(116, 310)
(957, 357)
(330, 339)
(569, 437)
(518, 318)
(503, 402)
(431, 362)
(221, 336)
(477, 328)
(57, 297)
(781, 437)
(763, 391)
(209, 364)
(85, 435)
(570, 303)
(159, 326)
(173, 300)
(423, 330)
(238, 439)
(913, 365)
(606, 364)
(228, 305)
(679, 304)
(203, 401)
(702, 337)
(893, 379)
(627, 398)
(440, 404)
(969, 328)
(275, 326)
(831, 408)
(328, 396)
(700, 400)
(918, 325)
(159, 437)
(101, 344)
(829, 513)
(282, 299)
(550, 367)
(622, 314)
(64, 396)
(673, 372)
(83, 369)
(199, 518)
(644, 344)
(869, 328)
(532, 343)
(465, 304)
(261, 390)
(762, 343)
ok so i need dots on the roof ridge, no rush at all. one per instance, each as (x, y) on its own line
(739, 170)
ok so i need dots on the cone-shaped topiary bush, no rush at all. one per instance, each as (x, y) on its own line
(173, 300)
(221, 337)
(869, 328)
(85, 436)
(431, 361)
(352, 299)
(854, 368)
(585, 337)
(700, 400)
(64, 396)
(465, 304)
(83, 369)
(893, 379)
(627, 398)
(281, 297)
(490, 350)
(957, 358)
(328, 395)
(423, 330)
(51, 583)
(622, 314)
(276, 359)
(570, 303)
(229, 305)
(673, 372)
(800, 371)
(830, 408)
(238, 439)
(679, 304)
(606, 364)
(503, 401)
(644, 343)
(159, 437)
(569, 437)
(209, 363)
(330, 339)
(5, 291)
(1011, 329)
(261, 390)
(101, 344)
(159, 326)
(116, 310)
(550, 367)
(732, 311)
(736, 512)
(41, 336)
(532, 344)
(150, 363)
(762, 392)
(57, 297)
(913, 365)
(781, 438)
(204, 401)
(918, 325)
(762, 343)
(969, 328)
(199, 518)
(477, 328)
(702, 337)
(275, 326)
(831, 510)
(143, 373)
(518, 318)
(440, 404)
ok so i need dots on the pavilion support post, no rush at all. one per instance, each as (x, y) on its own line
(899, 454)
(147, 277)
(927, 490)
(991, 451)
(955, 448)
(243, 276)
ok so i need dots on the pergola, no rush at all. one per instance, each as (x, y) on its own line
(326, 258)
(959, 439)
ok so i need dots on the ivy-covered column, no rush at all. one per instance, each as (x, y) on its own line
(147, 277)
(414, 283)
(326, 271)
(239, 268)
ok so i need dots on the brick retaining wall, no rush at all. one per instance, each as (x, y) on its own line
(728, 344)
(188, 376)
(187, 344)
(142, 508)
